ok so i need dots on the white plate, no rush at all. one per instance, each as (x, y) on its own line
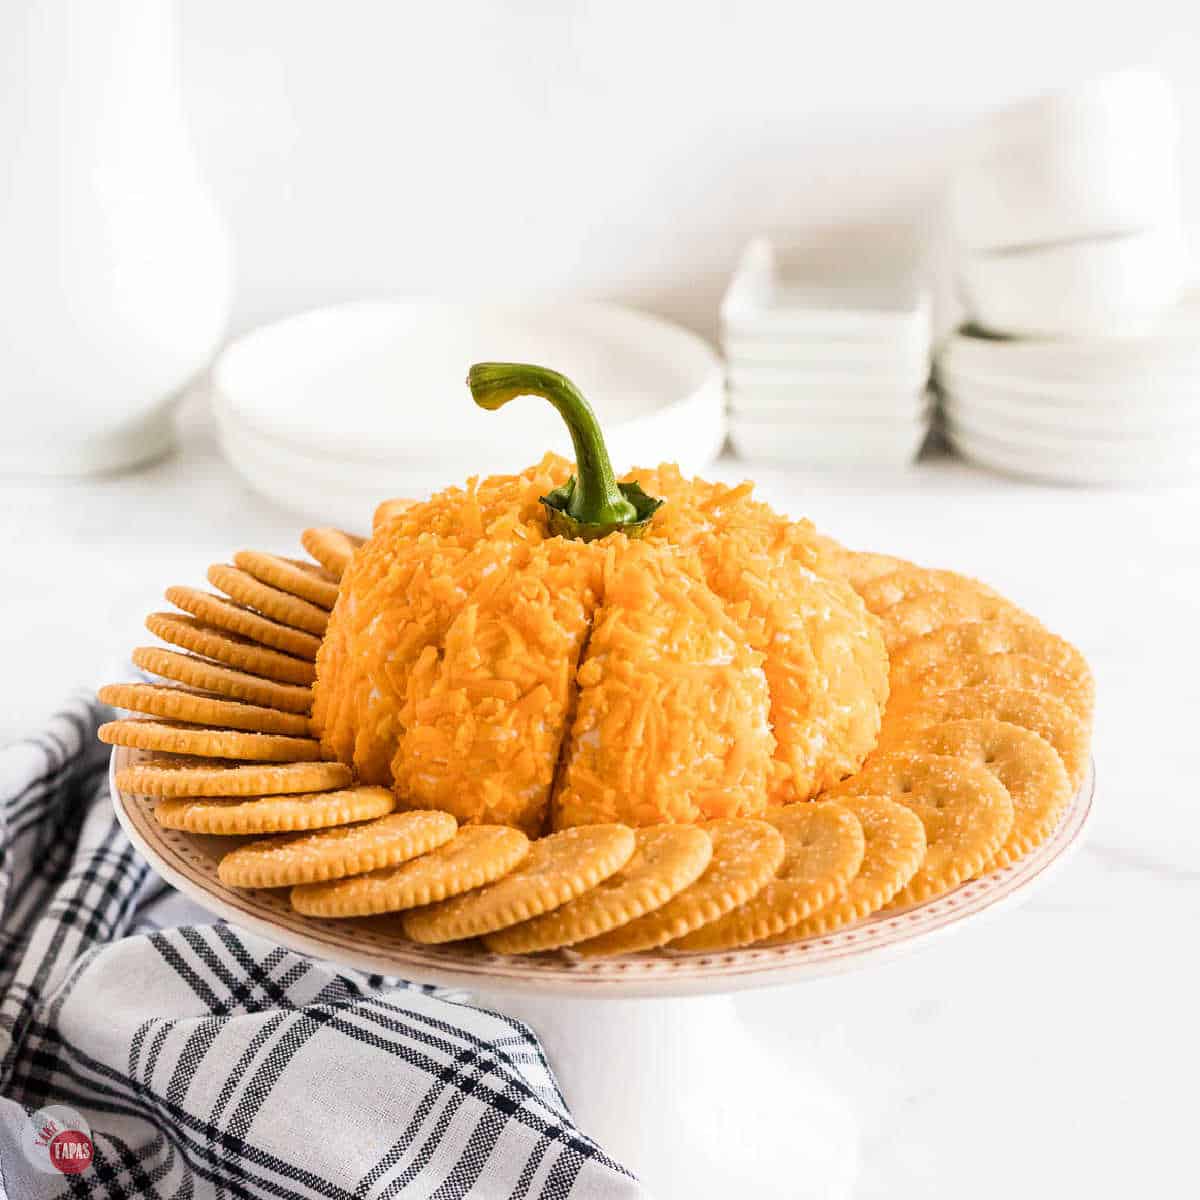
(382, 381)
(1106, 413)
(1078, 467)
(1104, 287)
(1101, 159)
(189, 862)
(1040, 438)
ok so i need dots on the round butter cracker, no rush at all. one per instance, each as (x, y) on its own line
(221, 613)
(893, 850)
(291, 575)
(557, 869)
(823, 850)
(966, 812)
(477, 855)
(144, 733)
(335, 853)
(224, 681)
(667, 859)
(232, 816)
(746, 853)
(1002, 635)
(172, 777)
(1036, 711)
(231, 649)
(280, 606)
(1024, 763)
(201, 708)
(332, 548)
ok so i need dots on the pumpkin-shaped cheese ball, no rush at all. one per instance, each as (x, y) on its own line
(550, 649)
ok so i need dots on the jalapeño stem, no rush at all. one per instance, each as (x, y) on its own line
(592, 502)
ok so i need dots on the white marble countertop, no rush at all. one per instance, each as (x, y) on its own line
(1052, 1052)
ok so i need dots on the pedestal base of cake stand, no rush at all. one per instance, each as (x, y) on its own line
(681, 1092)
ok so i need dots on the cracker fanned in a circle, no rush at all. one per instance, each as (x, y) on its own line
(475, 856)
(234, 816)
(557, 869)
(280, 606)
(893, 848)
(1039, 712)
(924, 614)
(187, 777)
(290, 575)
(746, 853)
(178, 703)
(966, 812)
(823, 850)
(337, 852)
(666, 860)
(224, 681)
(1001, 635)
(222, 613)
(332, 548)
(907, 583)
(1001, 669)
(1024, 763)
(240, 653)
(144, 733)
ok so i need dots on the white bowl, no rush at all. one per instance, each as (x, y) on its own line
(1156, 468)
(853, 305)
(1108, 287)
(1147, 407)
(1098, 160)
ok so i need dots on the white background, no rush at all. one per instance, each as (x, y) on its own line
(618, 149)
(627, 151)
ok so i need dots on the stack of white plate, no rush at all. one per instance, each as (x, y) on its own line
(329, 412)
(1066, 212)
(821, 372)
(1088, 411)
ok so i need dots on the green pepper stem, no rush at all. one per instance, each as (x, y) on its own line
(596, 499)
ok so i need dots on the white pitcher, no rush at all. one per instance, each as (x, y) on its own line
(115, 274)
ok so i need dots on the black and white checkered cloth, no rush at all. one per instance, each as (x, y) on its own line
(209, 1062)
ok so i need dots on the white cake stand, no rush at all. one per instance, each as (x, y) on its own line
(649, 1050)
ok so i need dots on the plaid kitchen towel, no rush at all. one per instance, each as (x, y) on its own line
(145, 1057)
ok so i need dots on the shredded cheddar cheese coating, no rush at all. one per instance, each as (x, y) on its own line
(481, 667)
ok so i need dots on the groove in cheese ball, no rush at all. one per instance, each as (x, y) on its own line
(672, 712)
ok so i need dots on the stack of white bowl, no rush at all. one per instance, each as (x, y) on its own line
(331, 411)
(1072, 263)
(825, 373)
